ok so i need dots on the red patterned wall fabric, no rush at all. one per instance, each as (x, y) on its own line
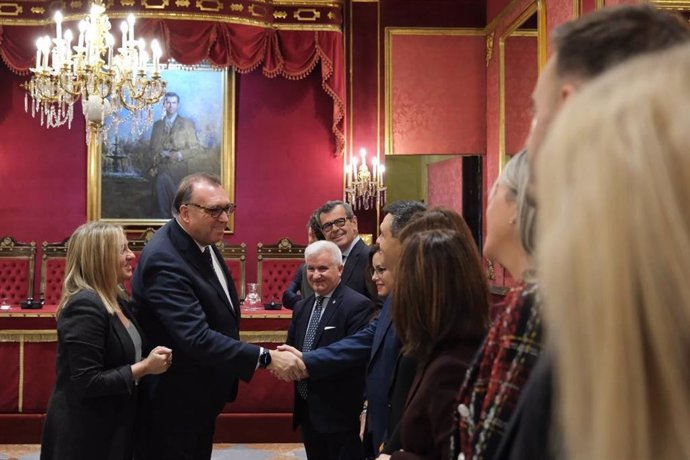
(444, 184)
(522, 70)
(292, 54)
(429, 115)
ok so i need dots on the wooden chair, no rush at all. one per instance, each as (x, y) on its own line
(16, 270)
(235, 257)
(54, 260)
(276, 266)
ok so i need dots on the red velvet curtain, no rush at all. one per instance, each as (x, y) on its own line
(288, 53)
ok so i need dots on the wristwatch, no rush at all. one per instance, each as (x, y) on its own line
(264, 359)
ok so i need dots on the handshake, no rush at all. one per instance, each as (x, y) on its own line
(286, 364)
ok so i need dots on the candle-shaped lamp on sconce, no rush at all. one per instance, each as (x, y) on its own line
(364, 186)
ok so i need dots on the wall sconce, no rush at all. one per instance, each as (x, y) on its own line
(364, 188)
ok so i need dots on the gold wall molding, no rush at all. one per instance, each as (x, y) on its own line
(677, 5)
(489, 47)
(318, 15)
(537, 7)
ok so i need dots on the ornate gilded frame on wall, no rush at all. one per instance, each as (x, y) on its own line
(674, 5)
(122, 181)
(538, 7)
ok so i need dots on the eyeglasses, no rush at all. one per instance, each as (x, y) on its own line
(328, 226)
(216, 210)
(379, 271)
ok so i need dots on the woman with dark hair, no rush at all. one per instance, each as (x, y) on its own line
(299, 287)
(378, 277)
(440, 311)
(92, 411)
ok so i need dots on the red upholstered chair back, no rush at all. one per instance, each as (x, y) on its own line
(235, 258)
(276, 266)
(16, 270)
(54, 260)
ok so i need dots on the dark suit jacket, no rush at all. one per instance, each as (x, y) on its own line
(427, 423)
(181, 304)
(376, 346)
(333, 403)
(299, 285)
(92, 410)
(354, 271)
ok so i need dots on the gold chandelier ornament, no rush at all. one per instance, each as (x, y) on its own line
(105, 79)
(364, 188)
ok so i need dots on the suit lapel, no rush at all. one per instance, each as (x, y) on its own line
(333, 304)
(231, 286)
(385, 322)
(351, 262)
(192, 254)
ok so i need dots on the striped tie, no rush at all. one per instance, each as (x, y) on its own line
(309, 340)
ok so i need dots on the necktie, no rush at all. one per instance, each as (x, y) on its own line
(207, 256)
(309, 340)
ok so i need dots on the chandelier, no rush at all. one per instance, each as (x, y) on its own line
(106, 79)
(364, 188)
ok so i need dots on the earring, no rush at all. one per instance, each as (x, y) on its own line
(492, 272)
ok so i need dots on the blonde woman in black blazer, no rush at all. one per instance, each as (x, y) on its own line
(92, 411)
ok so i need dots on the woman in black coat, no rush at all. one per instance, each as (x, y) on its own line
(92, 411)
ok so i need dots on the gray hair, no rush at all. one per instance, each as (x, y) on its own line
(515, 174)
(318, 247)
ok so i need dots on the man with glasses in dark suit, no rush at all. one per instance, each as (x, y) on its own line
(339, 225)
(185, 298)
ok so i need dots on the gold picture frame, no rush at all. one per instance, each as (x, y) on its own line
(131, 177)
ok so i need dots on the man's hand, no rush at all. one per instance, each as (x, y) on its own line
(287, 366)
(292, 350)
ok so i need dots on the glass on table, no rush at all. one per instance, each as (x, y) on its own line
(4, 303)
(253, 299)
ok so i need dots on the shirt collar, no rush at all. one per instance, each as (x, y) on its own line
(352, 245)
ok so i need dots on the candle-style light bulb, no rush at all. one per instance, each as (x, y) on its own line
(110, 41)
(156, 49)
(123, 29)
(82, 31)
(39, 47)
(130, 21)
(58, 25)
(68, 40)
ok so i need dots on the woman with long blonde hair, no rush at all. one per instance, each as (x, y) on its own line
(92, 411)
(614, 259)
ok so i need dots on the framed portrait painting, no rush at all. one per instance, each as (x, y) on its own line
(134, 181)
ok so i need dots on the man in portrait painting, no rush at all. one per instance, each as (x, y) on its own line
(173, 141)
